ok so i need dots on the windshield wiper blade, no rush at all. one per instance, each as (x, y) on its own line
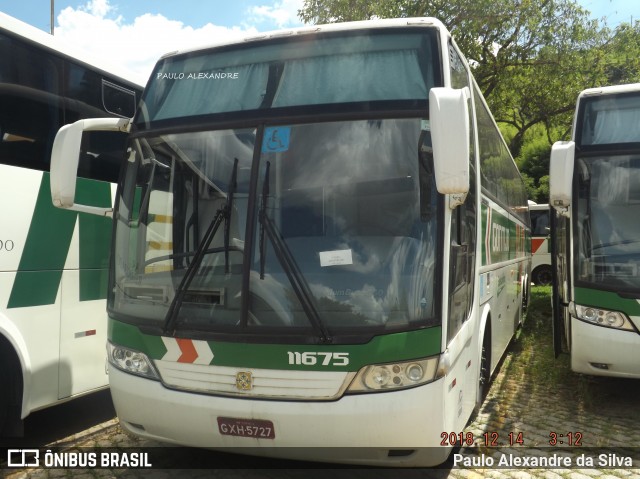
(261, 216)
(288, 263)
(183, 287)
(233, 185)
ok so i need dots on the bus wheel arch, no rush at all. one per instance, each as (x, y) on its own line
(526, 292)
(484, 364)
(11, 390)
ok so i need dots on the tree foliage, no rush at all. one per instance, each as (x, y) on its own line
(534, 166)
(620, 55)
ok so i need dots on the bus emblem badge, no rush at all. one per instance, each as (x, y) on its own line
(244, 381)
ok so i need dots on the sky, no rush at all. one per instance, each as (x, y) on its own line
(133, 34)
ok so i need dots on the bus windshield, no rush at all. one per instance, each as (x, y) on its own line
(321, 228)
(368, 66)
(338, 237)
(607, 211)
(607, 120)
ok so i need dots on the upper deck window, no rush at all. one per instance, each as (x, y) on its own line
(365, 66)
(609, 119)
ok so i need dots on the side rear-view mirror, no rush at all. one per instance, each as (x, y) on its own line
(449, 122)
(561, 175)
(65, 156)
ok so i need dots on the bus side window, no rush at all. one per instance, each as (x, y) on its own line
(83, 92)
(118, 100)
(31, 104)
(463, 224)
(462, 262)
(540, 222)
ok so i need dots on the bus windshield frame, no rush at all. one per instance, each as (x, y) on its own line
(607, 205)
(606, 196)
(341, 72)
(312, 233)
(603, 122)
(351, 164)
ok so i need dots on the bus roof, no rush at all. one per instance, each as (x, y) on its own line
(330, 27)
(609, 90)
(49, 42)
(538, 206)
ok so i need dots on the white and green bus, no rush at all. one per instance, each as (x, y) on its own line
(595, 192)
(321, 246)
(541, 272)
(53, 263)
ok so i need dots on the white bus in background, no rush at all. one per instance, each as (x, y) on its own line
(53, 263)
(595, 193)
(541, 272)
(321, 242)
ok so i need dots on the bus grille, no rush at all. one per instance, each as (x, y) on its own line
(264, 383)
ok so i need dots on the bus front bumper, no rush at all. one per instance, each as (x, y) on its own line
(401, 428)
(602, 351)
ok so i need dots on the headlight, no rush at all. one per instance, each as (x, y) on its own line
(385, 377)
(601, 317)
(131, 361)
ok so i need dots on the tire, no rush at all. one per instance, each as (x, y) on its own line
(542, 275)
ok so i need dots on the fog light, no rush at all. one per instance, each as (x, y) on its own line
(380, 376)
(613, 320)
(590, 314)
(414, 372)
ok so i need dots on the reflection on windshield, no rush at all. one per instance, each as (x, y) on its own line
(608, 208)
(365, 66)
(606, 119)
(338, 241)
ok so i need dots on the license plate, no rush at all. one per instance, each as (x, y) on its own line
(256, 428)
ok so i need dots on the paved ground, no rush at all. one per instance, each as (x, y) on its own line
(532, 397)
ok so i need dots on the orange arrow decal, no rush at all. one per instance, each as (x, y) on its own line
(189, 353)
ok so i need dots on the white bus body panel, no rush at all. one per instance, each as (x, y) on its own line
(541, 256)
(407, 419)
(588, 345)
(61, 346)
(540, 235)
(83, 333)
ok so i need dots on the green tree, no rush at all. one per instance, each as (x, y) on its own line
(533, 163)
(621, 55)
(530, 58)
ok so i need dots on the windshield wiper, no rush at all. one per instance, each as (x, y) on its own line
(223, 213)
(233, 185)
(261, 216)
(288, 263)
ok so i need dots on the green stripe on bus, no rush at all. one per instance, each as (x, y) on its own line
(48, 242)
(606, 300)
(503, 239)
(381, 349)
(131, 337)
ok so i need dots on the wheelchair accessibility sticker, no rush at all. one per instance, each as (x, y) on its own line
(276, 139)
